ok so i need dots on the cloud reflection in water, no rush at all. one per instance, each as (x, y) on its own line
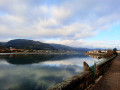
(41, 74)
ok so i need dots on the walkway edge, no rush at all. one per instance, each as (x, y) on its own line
(84, 79)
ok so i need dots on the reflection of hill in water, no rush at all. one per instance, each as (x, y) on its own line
(67, 56)
(36, 58)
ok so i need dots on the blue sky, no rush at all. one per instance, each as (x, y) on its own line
(77, 23)
(112, 33)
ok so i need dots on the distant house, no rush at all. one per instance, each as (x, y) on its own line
(1, 50)
(4, 50)
(118, 51)
(103, 51)
(15, 50)
(94, 51)
(97, 51)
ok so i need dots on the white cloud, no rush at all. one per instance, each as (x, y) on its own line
(60, 13)
(88, 44)
(69, 20)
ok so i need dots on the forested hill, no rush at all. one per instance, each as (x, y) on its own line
(28, 44)
(36, 45)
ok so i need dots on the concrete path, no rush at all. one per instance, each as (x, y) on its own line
(111, 79)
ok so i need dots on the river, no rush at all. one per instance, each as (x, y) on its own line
(39, 71)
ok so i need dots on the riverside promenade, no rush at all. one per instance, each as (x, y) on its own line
(111, 79)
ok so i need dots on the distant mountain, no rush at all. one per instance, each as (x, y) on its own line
(68, 48)
(36, 45)
(62, 47)
(2, 45)
(29, 44)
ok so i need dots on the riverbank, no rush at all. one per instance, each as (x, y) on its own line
(95, 53)
(98, 54)
(84, 79)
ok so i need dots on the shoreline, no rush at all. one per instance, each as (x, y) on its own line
(97, 54)
(38, 53)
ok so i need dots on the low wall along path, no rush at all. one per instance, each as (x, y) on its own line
(87, 78)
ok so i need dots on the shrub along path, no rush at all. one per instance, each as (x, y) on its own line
(111, 79)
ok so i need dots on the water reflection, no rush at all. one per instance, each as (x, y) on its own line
(36, 58)
(39, 72)
(97, 56)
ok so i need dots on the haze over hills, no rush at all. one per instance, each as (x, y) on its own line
(68, 48)
(36, 45)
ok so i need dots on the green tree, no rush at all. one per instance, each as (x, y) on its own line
(115, 51)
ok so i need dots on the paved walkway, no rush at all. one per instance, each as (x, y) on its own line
(111, 79)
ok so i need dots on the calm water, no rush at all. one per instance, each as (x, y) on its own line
(39, 71)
